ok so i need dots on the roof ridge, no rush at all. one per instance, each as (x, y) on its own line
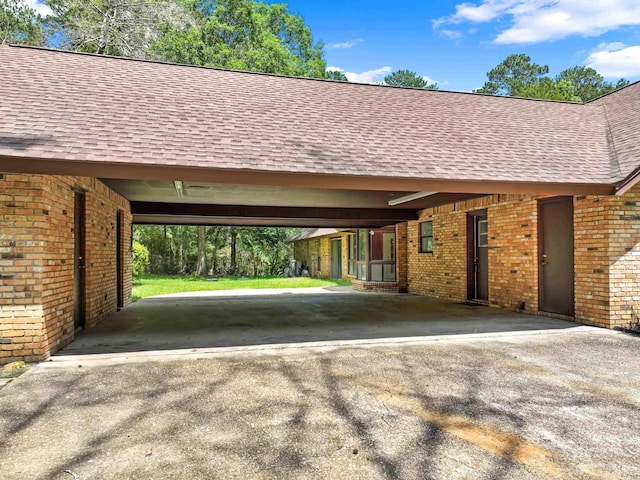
(278, 75)
(611, 140)
(613, 92)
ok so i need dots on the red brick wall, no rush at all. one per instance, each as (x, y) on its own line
(401, 257)
(512, 251)
(307, 251)
(607, 254)
(443, 273)
(324, 265)
(36, 216)
(624, 255)
(607, 257)
(378, 287)
(21, 253)
(591, 219)
(345, 256)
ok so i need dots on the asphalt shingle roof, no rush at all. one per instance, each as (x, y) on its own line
(307, 233)
(622, 114)
(67, 106)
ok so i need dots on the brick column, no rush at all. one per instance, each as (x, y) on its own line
(37, 261)
(402, 259)
(22, 215)
(607, 259)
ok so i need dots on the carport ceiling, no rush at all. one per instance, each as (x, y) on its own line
(194, 203)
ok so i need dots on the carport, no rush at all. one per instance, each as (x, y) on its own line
(98, 142)
(90, 145)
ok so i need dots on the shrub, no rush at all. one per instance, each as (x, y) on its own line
(140, 259)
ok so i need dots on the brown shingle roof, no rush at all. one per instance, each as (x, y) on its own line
(622, 113)
(69, 106)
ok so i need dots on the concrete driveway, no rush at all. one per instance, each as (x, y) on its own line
(207, 321)
(561, 404)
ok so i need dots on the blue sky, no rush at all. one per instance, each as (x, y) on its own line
(455, 43)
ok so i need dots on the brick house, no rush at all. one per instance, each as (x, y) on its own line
(523, 204)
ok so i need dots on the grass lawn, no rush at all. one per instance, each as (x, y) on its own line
(150, 285)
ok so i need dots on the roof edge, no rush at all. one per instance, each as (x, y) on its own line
(628, 183)
(276, 75)
(612, 92)
(145, 171)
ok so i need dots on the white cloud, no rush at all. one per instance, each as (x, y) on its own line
(39, 7)
(433, 80)
(370, 76)
(614, 60)
(349, 44)
(541, 20)
(374, 76)
(453, 34)
(609, 46)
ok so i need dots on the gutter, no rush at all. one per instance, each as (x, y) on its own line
(628, 183)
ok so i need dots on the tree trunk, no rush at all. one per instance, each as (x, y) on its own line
(104, 31)
(234, 237)
(214, 258)
(165, 251)
(201, 268)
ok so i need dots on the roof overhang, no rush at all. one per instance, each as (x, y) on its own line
(274, 198)
(140, 171)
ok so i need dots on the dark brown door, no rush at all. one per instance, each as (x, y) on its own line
(119, 282)
(478, 256)
(555, 250)
(336, 258)
(79, 289)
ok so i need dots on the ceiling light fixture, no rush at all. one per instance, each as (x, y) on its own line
(179, 188)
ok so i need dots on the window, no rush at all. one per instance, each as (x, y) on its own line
(426, 237)
(483, 233)
(372, 254)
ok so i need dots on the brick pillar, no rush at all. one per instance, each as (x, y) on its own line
(591, 260)
(22, 214)
(401, 257)
(37, 261)
(607, 259)
(624, 258)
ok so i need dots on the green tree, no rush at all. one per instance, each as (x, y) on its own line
(336, 75)
(588, 83)
(548, 89)
(20, 24)
(512, 75)
(125, 28)
(244, 35)
(407, 78)
(140, 259)
(265, 248)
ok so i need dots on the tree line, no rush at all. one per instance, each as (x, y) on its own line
(213, 251)
(247, 35)
(241, 35)
(518, 76)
